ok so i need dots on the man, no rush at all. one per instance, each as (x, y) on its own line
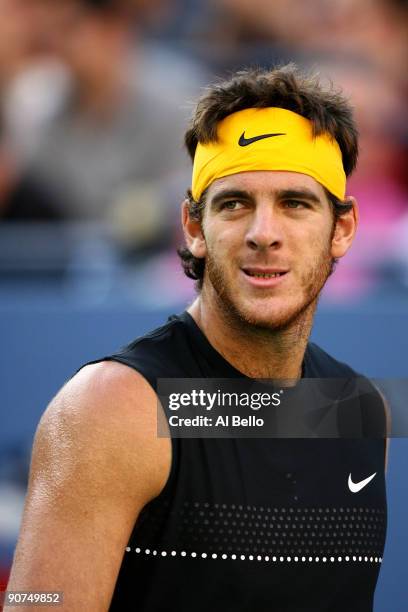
(117, 516)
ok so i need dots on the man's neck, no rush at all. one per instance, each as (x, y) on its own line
(257, 353)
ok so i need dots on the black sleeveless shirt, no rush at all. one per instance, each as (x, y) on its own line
(254, 525)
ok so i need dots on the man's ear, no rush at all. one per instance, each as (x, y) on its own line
(345, 230)
(193, 232)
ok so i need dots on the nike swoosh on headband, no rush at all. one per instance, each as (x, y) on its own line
(355, 487)
(244, 142)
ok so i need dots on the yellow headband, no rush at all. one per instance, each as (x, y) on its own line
(268, 139)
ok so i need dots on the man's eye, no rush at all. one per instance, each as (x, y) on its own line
(295, 204)
(231, 205)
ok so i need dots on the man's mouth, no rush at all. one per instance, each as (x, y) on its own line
(259, 273)
(264, 274)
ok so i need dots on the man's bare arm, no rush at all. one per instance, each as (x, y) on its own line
(96, 462)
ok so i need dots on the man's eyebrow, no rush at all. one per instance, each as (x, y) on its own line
(229, 193)
(282, 194)
(305, 194)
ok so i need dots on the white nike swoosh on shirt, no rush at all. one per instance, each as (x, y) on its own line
(355, 487)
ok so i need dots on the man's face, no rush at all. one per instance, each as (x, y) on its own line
(268, 245)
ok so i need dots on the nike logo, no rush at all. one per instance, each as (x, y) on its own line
(244, 142)
(355, 487)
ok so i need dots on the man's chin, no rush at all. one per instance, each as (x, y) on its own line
(272, 319)
(277, 316)
(267, 312)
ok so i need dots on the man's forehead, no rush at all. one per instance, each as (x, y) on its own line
(266, 181)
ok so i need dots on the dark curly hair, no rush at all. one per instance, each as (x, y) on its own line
(285, 87)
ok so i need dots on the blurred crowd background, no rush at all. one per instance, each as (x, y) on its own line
(95, 96)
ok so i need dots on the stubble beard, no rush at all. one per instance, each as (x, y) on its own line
(310, 286)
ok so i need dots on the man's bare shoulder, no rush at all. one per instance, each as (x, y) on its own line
(96, 462)
(97, 389)
(107, 415)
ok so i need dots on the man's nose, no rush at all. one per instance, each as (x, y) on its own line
(265, 229)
